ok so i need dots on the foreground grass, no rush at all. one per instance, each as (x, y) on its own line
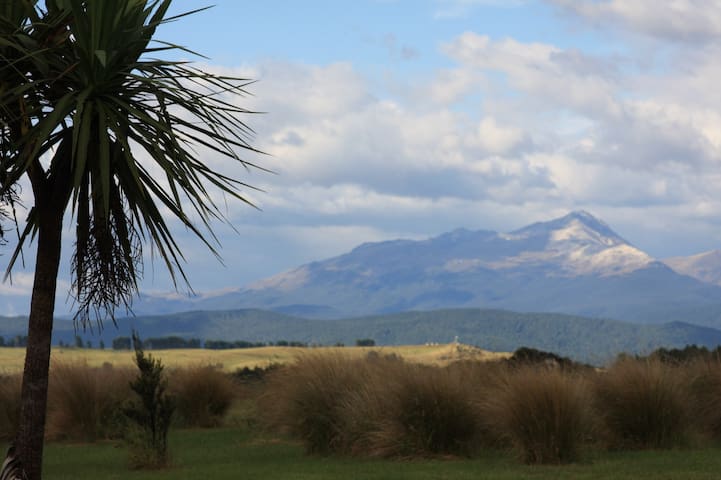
(12, 359)
(233, 453)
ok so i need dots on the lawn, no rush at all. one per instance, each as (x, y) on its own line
(234, 453)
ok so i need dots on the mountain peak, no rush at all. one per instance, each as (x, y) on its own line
(578, 224)
(584, 217)
(574, 263)
(579, 244)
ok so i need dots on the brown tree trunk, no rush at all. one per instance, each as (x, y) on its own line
(40, 327)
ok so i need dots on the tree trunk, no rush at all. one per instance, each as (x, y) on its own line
(40, 328)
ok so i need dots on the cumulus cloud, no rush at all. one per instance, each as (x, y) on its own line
(676, 20)
(544, 72)
(554, 129)
(507, 132)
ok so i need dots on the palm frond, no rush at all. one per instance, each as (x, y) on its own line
(108, 119)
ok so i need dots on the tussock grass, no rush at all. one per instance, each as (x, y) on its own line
(411, 411)
(543, 413)
(203, 395)
(10, 386)
(705, 389)
(379, 406)
(644, 404)
(304, 398)
(84, 403)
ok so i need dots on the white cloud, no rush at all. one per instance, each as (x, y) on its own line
(497, 139)
(511, 132)
(20, 283)
(545, 73)
(675, 20)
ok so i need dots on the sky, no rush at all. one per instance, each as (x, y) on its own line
(387, 119)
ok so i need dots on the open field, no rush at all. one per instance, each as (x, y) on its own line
(273, 429)
(234, 453)
(11, 359)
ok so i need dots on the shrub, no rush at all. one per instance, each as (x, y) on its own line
(526, 356)
(543, 413)
(84, 403)
(202, 395)
(679, 356)
(643, 404)
(255, 375)
(303, 399)
(151, 414)
(10, 386)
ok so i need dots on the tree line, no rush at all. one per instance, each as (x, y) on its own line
(173, 342)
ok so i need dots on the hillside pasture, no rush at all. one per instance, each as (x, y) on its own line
(11, 359)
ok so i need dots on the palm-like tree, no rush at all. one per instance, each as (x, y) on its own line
(109, 137)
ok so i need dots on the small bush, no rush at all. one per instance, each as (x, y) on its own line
(150, 414)
(10, 386)
(84, 403)
(255, 375)
(643, 404)
(202, 394)
(543, 413)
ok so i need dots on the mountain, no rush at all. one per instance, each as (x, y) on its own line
(575, 264)
(590, 340)
(705, 267)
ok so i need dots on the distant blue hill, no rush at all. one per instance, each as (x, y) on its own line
(586, 339)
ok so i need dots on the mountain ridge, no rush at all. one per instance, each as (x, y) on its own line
(704, 266)
(575, 264)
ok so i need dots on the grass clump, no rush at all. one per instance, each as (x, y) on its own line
(378, 406)
(705, 390)
(203, 396)
(10, 386)
(543, 413)
(84, 403)
(643, 404)
(303, 399)
(410, 411)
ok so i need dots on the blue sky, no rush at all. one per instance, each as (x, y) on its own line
(393, 118)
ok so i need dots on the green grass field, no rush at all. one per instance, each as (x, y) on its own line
(234, 453)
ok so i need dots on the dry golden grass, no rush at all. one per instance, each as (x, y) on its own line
(11, 359)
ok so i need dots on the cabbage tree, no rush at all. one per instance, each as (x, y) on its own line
(114, 139)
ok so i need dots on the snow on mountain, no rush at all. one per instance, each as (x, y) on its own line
(574, 264)
(283, 281)
(577, 244)
(705, 266)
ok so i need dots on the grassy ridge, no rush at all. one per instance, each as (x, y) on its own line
(11, 359)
